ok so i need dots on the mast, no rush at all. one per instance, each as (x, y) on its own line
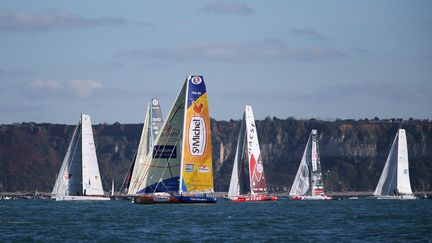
(183, 136)
(112, 188)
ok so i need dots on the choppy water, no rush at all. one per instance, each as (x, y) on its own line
(284, 220)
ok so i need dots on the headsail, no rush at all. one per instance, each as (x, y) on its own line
(61, 186)
(161, 170)
(395, 175)
(152, 125)
(234, 187)
(301, 185)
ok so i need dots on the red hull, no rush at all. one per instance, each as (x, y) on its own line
(253, 198)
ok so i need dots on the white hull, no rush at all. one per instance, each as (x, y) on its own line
(310, 197)
(402, 197)
(80, 198)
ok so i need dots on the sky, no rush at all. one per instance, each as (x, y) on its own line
(303, 59)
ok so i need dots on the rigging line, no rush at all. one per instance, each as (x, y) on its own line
(128, 174)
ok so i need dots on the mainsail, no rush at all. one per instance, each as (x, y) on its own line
(248, 140)
(395, 178)
(182, 159)
(152, 125)
(308, 180)
(79, 174)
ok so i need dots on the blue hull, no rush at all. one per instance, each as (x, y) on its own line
(196, 199)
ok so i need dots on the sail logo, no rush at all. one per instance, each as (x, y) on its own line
(197, 136)
(251, 137)
(260, 168)
(155, 102)
(196, 80)
(198, 108)
(203, 169)
(189, 168)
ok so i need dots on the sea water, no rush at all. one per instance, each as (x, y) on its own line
(283, 220)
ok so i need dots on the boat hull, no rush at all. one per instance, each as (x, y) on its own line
(310, 197)
(80, 198)
(259, 198)
(169, 198)
(401, 197)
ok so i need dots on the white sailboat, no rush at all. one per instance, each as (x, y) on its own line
(248, 165)
(152, 125)
(180, 168)
(394, 182)
(308, 183)
(79, 177)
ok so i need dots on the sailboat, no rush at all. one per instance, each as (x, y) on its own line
(308, 183)
(79, 177)
(152, 124)
(248, 182)
(180, 168)
(394, 182)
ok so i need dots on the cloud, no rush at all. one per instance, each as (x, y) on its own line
(84, 87)
(226, 8)
(269, 50)
(51, 88)
(307, 32)
(50, 85)
(24, 21)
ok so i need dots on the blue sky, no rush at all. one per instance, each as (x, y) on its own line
(306, 59)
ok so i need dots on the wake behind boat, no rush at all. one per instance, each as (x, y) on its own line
(394, 182)
(179, 170)
(308, 183)
(248, 165)
(79, 177)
